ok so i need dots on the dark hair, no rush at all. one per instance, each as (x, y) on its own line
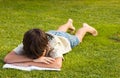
(35, 41)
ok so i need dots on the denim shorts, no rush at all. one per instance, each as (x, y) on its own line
(74, 41)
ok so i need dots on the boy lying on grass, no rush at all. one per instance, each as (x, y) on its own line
(46, 49)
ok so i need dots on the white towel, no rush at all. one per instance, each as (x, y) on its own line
(29, 68)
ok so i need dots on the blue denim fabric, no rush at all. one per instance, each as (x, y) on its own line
(74, 41)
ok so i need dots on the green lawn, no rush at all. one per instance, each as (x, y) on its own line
(95, 57)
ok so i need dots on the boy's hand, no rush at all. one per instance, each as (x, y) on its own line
(46, 60)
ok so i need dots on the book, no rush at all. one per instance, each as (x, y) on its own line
(28, 68)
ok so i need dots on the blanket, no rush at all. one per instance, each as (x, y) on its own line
(28, 68)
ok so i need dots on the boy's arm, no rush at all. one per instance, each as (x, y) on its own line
(12, 57)
(56, 64)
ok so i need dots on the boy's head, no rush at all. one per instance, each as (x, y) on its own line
(35, 41)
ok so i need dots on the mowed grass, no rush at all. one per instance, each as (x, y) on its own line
(95, 57)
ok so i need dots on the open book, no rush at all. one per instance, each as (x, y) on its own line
(29, 68)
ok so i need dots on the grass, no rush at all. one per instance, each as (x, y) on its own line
(95, 57)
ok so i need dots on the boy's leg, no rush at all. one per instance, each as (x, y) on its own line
(68, 25)
(86, 28)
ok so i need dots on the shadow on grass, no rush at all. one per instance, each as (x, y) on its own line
(115, 37)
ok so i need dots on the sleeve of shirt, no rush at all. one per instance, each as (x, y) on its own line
(19, 49)
(57, 51)
(56, 54)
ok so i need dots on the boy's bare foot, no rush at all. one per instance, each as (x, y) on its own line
(91, 30)
(71, 27)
